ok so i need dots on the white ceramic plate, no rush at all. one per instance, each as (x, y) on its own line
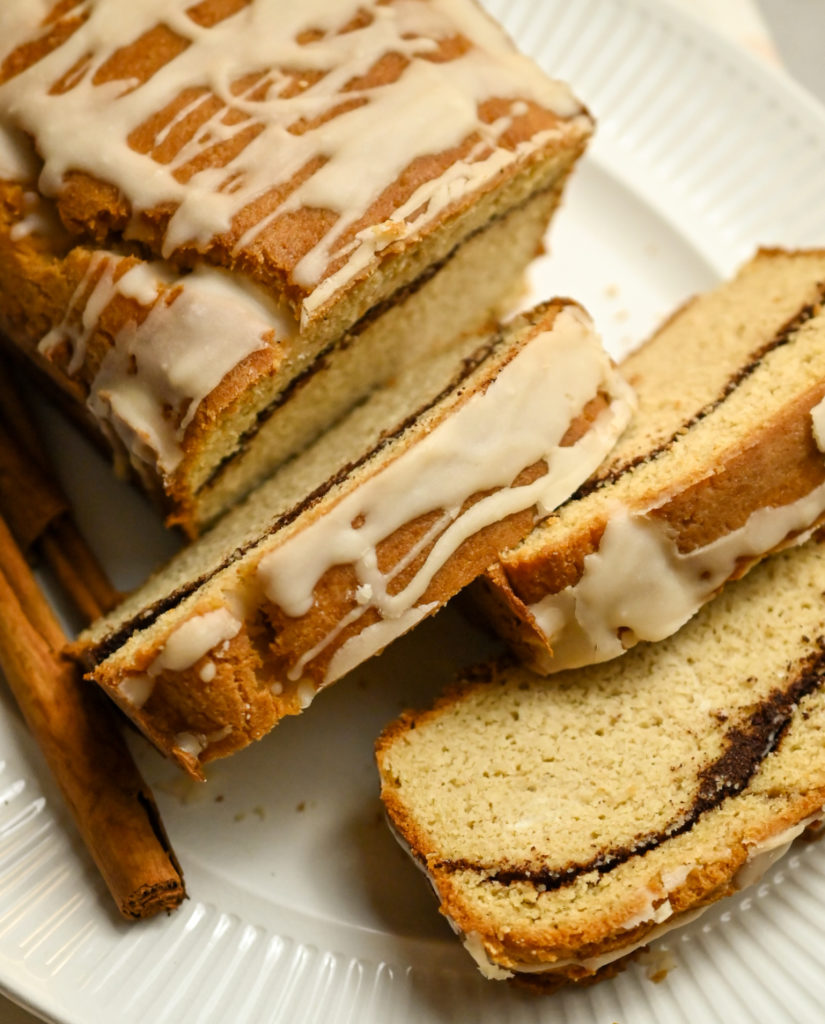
(302, 907)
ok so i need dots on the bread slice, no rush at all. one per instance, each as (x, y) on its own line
(723, 464)
(370, 530)
(563, 823)
(305, 200)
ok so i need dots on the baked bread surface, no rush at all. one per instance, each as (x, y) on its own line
(565, 822)
(273, 164)
(723, 464)
(371, 529)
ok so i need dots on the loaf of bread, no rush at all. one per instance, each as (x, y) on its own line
(565, 822)
(356, 540)
(223, 223)
(724, 463)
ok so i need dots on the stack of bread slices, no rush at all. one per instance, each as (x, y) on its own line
(261, 251)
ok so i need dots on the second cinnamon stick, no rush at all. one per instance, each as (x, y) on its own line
(112, 806)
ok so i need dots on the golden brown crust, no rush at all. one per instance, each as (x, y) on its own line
(241, 695)
(39, 274)
(780, 464)
(500, 606)
(567, 928)
(285, 650)
(95, 209)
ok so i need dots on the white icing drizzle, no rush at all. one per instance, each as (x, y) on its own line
(195, 329)
(761, 856)
(92, 295)
(39, 219)
(364, 595)
(17, 162)
(305, 693)
(639, 586)
(653, 909)
(459, 457)
(374, 639)
(182, 352)
(194, 638)
(19, 20)
(474, 945)
(189, 743)
(208, 672)
(136, 690)
(181, 649)
(359, 152)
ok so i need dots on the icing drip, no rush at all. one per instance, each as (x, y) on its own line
(458, 458)
(307, 124)
(639, 586)
(91, 296)
(191, 333)
(181, 352)
(364, 594)
(183, 647)
(190, 743)
(16, 160)
(194, 638)
(136, 690)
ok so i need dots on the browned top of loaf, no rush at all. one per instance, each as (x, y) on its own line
(104, 207)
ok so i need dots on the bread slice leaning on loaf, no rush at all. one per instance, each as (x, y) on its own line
(724, 463)
(563, 823)
(355, 541)
(223, 223)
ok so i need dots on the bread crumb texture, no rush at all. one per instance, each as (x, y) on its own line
(563, 819)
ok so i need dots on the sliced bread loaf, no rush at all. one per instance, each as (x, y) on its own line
(351, 544)
(723, 464)
(563, 823)
(237, 218)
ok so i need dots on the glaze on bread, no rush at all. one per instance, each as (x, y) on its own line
(723, 464)
(356, 540)
(305, 197)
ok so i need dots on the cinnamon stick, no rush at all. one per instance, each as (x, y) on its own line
(38, 512)
(79, 736)
(17, 418)
(30, 502)
(76, 569)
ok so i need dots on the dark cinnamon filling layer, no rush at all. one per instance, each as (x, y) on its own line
(782, 337)
(147, 616)
(321, 362)
(746, 747)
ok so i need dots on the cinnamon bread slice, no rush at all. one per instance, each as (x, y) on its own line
(564, 823)
(723, 464)
(368, 531)
(223, 223)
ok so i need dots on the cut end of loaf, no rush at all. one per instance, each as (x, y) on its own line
(528, 806)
